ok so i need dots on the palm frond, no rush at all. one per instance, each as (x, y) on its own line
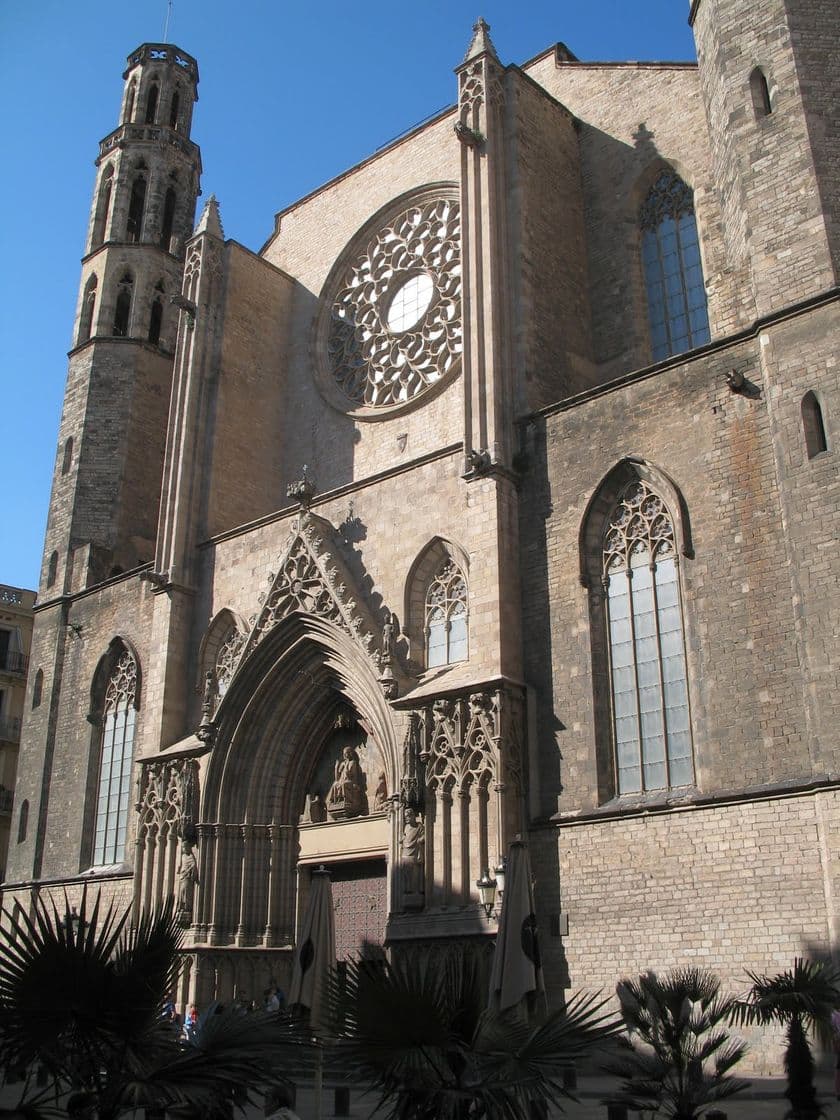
(419, 1032)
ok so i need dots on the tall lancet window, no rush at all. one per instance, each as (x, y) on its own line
(115, 757)
(647, 652)
(446, 616)
(676, 294)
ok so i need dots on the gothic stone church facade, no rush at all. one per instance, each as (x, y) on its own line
(496, 495)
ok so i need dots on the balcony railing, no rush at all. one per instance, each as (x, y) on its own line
(14, 662)
(10, 730)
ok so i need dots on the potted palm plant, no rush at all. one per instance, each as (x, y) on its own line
(677, 1055)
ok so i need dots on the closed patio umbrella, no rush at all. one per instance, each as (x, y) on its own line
(315, 954)
(517, 970)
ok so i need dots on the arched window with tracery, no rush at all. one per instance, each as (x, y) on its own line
(227, 657)
(446, 616)
(676, 294)
(651, 725)
(115, 759)
(175, 109)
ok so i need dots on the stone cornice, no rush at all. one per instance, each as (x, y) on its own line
(669, 802)
(752, 332)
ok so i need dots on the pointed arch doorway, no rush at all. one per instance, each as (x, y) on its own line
(276, 801)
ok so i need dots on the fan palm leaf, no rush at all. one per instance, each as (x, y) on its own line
(419, 1033)
(83, 996)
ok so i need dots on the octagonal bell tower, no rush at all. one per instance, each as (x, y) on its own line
(106, 487)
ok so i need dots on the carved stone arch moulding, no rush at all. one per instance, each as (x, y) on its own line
(389, 330)
(602, 503)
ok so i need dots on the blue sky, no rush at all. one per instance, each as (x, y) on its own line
(290, 95)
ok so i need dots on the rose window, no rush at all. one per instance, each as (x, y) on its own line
(394, 326)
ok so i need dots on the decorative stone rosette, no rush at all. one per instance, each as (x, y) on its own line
(390, 327)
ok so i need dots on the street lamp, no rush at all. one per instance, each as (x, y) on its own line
(486, 891)
(73, 924)
(500, 871)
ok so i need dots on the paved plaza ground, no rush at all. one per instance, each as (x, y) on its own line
(764, 1100)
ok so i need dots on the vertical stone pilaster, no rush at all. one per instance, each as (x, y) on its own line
(480, 130)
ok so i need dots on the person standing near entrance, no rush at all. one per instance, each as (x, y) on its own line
(276, 1104)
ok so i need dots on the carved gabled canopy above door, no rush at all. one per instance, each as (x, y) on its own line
(312, 578)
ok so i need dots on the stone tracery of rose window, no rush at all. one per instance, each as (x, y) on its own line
(395, 325)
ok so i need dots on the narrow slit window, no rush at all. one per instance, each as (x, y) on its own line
(52, 569)
(152, 103)
(129, 103)
(155, 321)
(88, 307)
(136, 206)
(67, 456)
(168, 218)
(813, 425)
(38, 688)
(122, 311)
(103, 208)
(760, 92)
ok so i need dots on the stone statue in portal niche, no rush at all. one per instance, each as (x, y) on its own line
(346, 797)
(187, 879)
(413, 859)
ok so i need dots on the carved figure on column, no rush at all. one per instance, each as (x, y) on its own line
(346, 797)
(208, 705)
(388, 635)
(187, 879)
(413, 860)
